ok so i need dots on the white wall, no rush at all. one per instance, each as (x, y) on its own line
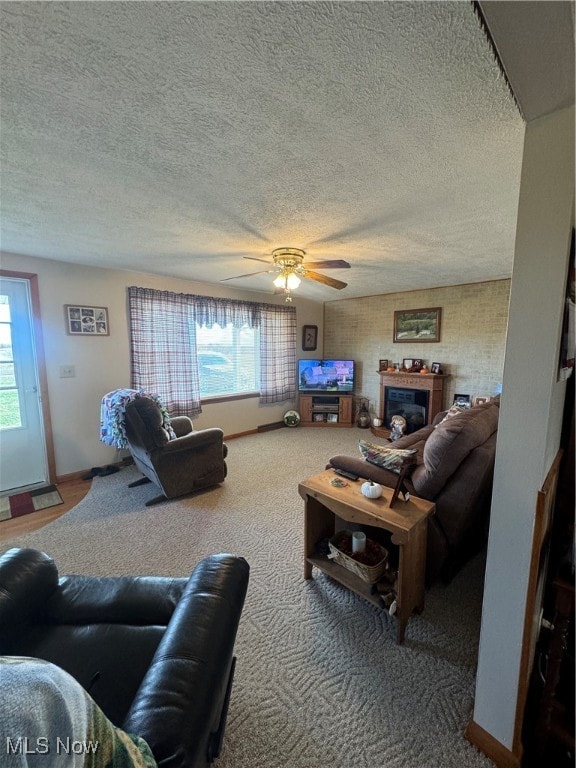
(102, 363)
(531, 410)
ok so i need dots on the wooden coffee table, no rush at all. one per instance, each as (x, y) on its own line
(326, 506)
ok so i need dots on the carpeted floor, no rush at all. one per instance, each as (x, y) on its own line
(320, 681)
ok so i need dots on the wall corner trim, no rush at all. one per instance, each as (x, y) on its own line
(491, 747)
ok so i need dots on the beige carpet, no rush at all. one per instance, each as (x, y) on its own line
(320, 681)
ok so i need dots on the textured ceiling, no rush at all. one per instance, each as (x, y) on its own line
(177, 137)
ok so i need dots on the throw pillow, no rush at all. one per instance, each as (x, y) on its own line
(387, 458)
(451, 412)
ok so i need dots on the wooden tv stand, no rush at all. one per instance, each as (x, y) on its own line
(326, 410)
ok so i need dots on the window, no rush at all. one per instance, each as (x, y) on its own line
(228, 361)
(185, 347)
(10, 412)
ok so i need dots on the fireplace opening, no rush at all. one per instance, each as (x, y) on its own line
(412, 404)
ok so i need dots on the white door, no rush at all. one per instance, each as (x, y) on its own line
(23, 459)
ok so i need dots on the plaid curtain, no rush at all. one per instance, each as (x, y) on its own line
(209, 311)
(277, 354)
(163, 344)
(163, 348)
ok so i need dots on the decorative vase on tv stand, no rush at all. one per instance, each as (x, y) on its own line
(363, 420)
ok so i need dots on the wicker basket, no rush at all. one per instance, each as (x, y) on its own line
(368, 573)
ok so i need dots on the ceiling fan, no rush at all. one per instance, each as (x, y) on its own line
(289, 264)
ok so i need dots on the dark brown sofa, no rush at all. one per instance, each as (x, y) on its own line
(454, 468)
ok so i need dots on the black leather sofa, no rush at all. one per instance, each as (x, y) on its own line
(155, 653)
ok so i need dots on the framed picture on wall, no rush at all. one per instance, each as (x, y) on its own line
(309, 337)
(86, 321)
(417, 324)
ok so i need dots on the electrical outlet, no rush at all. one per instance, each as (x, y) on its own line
(67, 372)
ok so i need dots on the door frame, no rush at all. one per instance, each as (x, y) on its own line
(32, 280)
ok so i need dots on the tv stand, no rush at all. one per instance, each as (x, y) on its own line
(326, 410)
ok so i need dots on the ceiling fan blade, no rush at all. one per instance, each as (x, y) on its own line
(249, 274)
(256, 258)
(330, 264)
(325, 280)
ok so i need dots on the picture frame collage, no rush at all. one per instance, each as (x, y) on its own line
(82, 320)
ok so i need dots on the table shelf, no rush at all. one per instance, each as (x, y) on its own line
(347, 579)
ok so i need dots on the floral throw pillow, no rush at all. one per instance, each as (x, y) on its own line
(387, 458)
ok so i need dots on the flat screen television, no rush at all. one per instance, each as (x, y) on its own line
(318, 376)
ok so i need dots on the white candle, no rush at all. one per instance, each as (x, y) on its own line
(358, 541)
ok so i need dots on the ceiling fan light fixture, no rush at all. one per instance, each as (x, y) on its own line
(280, 281)
(289, 260)
(292, 281)
(287, 280)
(291, 257)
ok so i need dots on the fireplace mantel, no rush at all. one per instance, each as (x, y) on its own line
(430, 382)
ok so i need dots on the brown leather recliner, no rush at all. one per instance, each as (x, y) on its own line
(180, 460)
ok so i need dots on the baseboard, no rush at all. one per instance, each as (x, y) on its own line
(240, 434)
(71, 476)
(261, 428)
(491, 747)
(81, 473)
(269, 427)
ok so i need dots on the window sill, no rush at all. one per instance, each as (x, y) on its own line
(208, 400)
